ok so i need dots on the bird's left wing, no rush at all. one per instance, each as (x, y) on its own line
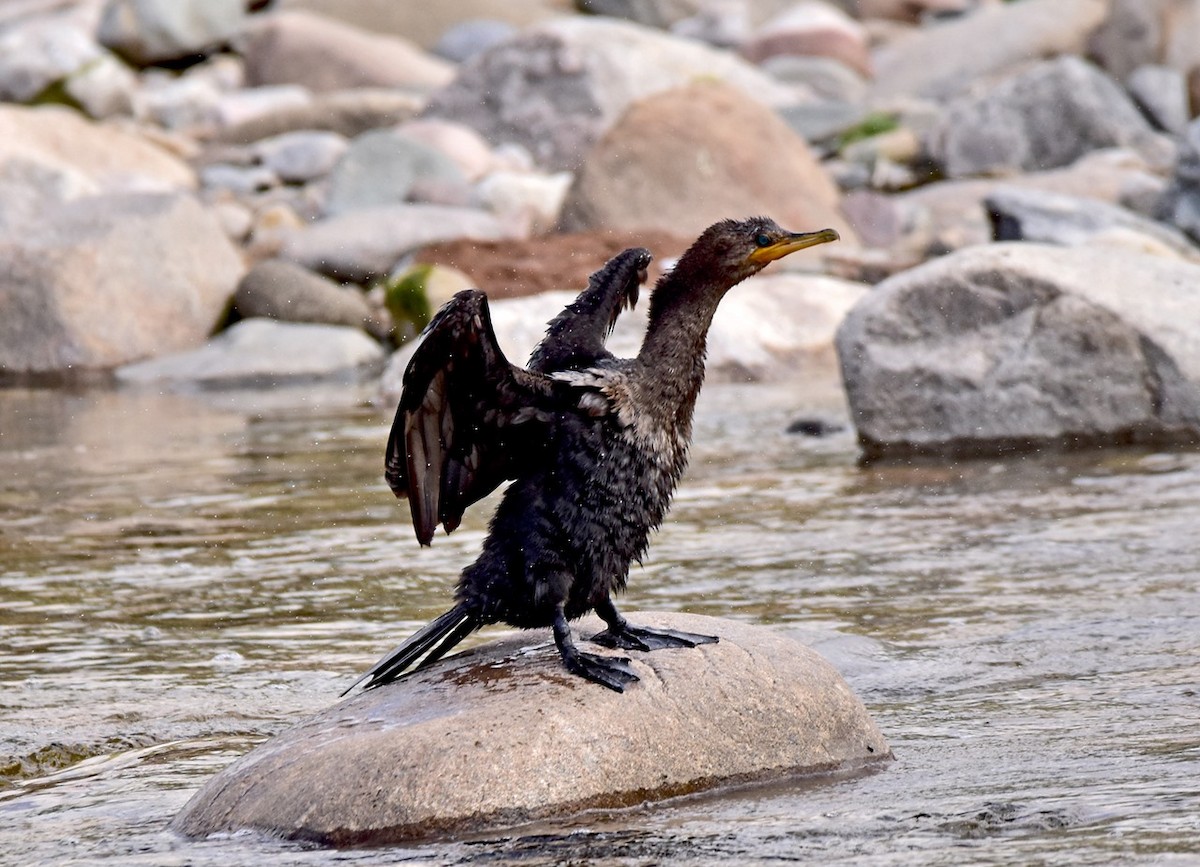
(467, 417)
(575, 338)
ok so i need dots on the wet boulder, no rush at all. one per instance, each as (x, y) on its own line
(1009, 347)
(502, 734)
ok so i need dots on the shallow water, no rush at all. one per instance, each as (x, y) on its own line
(184, 576)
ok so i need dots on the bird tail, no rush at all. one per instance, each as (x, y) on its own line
(433, 641)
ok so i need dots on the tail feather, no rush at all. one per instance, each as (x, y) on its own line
(448, 629)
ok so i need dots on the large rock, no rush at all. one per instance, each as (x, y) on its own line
(945, 58)
(501, 735)
(665, 165)
(556, 88)
(365, 244)
(323, 55)
(1044, 117)
(772, 328)
(105, 280)
(426, 22)
(262, 352)
(61, 140)
(151, 31)
(1016, 346)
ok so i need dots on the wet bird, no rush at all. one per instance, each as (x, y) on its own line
(594, 446)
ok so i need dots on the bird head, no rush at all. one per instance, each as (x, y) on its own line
(742, 248)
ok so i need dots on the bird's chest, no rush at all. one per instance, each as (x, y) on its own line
(625, 478)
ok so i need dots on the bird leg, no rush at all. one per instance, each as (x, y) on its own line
(624, 636)
(615, 673)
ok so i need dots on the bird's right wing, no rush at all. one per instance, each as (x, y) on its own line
(575, 338)
(467, 417)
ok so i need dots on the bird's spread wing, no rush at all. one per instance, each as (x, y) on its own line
(575, 338)
(466, 417)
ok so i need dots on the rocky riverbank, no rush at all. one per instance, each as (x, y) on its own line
(172, 171)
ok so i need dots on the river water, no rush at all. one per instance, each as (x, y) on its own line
(184, 576)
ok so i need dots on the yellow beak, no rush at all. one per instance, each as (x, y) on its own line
(790, 243)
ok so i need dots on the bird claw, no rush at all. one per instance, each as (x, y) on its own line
(613, 672)
(643, 638)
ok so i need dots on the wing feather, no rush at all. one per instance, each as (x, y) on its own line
(453, 439)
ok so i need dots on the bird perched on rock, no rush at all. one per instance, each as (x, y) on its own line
(594, 446)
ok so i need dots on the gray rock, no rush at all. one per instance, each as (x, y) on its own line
(1180, 203)
(826, 77)
(1132, 35)
(324, 55)
(301, 156)
(105, 280)
(943, 59)
(468, 38)
(1015, 346)
(501, 735)
(39, 53)
(950, 214)
(104, 88)
(1044, 117)
(363, 245)
(348, 113)
(287, 292)
(183, 103)
(238, 179)
(556, 88)
(151, 31)
(1023, 214)
(263, 352)
(1162, 94)
(381, 168)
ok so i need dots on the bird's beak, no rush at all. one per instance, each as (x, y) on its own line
(790, 243)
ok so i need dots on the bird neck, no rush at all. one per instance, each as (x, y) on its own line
(671, 360)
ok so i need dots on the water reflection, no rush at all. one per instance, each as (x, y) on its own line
(185, 575)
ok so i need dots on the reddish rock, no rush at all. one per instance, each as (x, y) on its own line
(666, 165)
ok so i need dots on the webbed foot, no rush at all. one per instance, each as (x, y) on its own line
(629, 637)
(614, 672)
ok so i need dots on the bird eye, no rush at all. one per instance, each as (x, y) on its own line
(763, 239)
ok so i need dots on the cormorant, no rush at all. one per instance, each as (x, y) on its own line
(594, 446)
